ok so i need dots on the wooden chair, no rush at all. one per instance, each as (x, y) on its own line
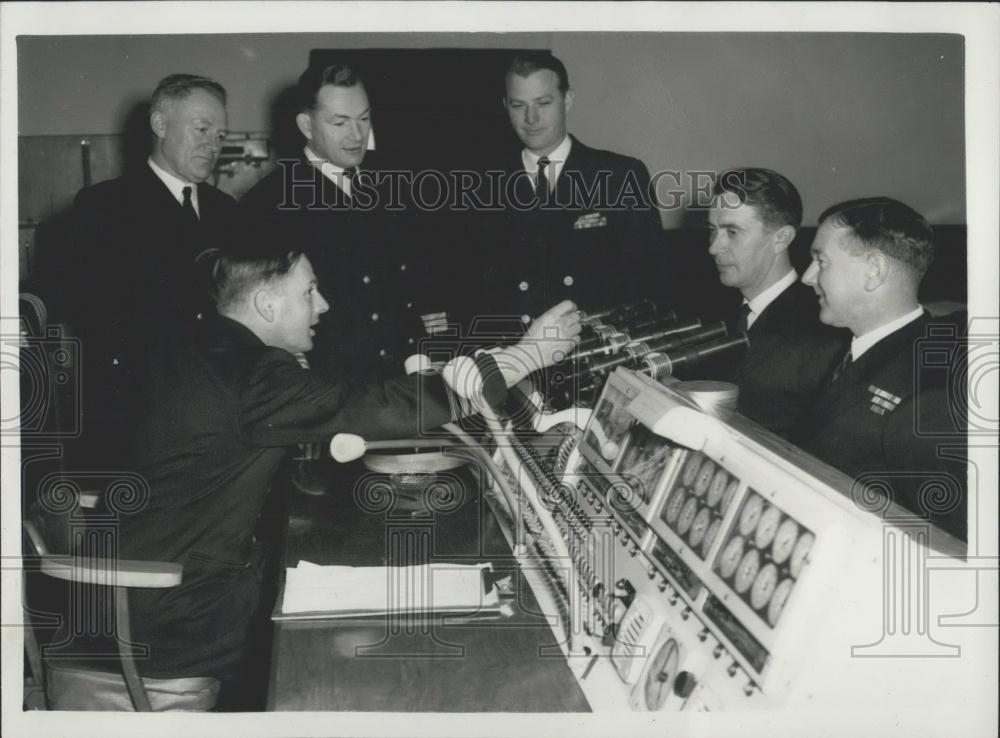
(78, 685)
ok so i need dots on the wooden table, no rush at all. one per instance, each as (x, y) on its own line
(488, 664)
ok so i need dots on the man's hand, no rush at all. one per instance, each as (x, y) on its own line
(554, 334)
(549, 340)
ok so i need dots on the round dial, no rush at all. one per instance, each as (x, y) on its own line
(728, 495)
(784, 541)
(674, 505)
(763, 586)
(767, 527)
(717, 488)
(691, 470)
(687, 515)
(661, 673)
(800, 552)
(750, 516)
(704, 478)
(777, 604)
(713, 531)
(730, 557)
(746, 572)
(699, 527)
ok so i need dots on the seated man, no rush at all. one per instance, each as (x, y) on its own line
(753, 219)
(219, 414)
(885, 417)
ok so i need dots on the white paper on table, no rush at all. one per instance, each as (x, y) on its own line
(377, 589)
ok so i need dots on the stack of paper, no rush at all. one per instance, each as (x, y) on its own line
(403, 590)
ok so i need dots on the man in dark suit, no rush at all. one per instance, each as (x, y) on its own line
(752, 222)
(886, 417)
(339, 213)
(217, 419)
(136, 239)
(576, 220)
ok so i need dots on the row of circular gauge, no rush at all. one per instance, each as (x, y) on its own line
(767, 549)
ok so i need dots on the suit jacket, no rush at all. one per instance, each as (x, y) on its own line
(361, 260)
(220, 411)
(131, 279)
(586, 245)
(889, 416)
(790, 355)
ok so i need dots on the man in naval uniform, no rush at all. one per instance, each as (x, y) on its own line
(752, 222)
(888, 416)
(576, 220)
(217, 422)
(135, 242)
(336, 211)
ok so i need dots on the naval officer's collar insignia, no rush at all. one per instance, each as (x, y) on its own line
(882, 401)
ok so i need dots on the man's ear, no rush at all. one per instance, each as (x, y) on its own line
(158, 123)
(568, 100)
(876, 270)
(304, 122)
(783, 238)
(263, 303)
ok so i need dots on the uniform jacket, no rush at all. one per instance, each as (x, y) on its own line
(586, 245)
(131, 277)
(790, 354)
(360, 257)
(895, 416)
(219, 414)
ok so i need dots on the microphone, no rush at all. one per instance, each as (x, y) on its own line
(345, 447)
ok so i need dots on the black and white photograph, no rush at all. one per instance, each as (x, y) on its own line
(499, 368)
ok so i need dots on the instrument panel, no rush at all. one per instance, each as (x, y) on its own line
(710, 556)
(733, 553)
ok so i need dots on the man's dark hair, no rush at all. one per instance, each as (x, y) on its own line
(529, 62)
(888, 226)
(777, 201)
(179, 86)
(233, 274)
(338, 74)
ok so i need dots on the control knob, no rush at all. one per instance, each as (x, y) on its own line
(684, 684)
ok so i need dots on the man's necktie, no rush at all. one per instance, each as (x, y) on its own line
(350, 177)
(187, 204)
(843, 366)
(542, 183)
(743, 319)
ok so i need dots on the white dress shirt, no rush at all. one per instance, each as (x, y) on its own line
(329, 170)
(768, 296)
(176, 185)
(865, 341)
(556, 160)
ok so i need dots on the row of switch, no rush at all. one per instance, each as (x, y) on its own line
(674, 597)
